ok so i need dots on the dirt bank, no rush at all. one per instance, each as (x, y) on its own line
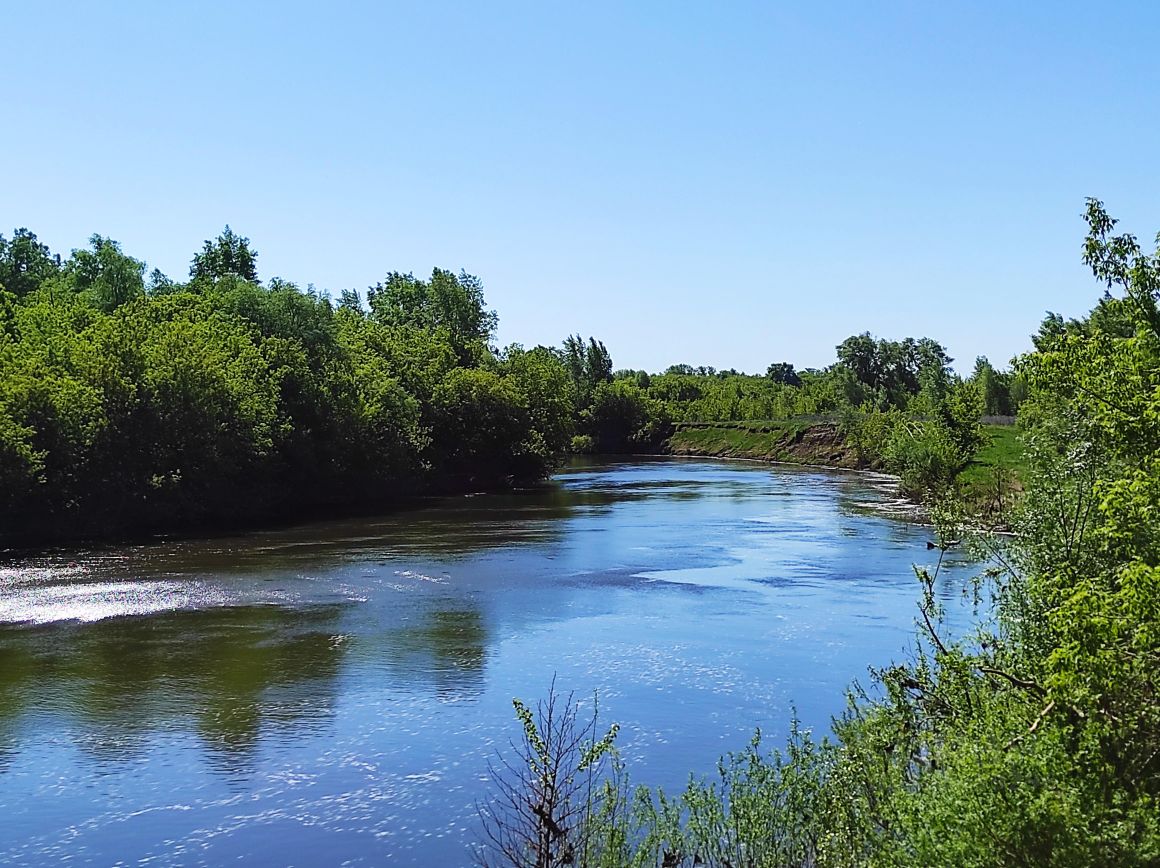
(788, 442)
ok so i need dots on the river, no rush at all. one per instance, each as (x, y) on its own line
(331, 693)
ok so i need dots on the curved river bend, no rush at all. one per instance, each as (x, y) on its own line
(331, 693)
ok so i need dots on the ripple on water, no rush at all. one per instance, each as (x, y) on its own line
(361, 734)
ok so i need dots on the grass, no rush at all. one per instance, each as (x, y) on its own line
(768, 439)
(991, 482)
(1001, 449)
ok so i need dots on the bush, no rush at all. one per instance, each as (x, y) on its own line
(582, 444)
(924, 454)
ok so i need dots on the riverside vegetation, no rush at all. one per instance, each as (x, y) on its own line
(1034, 741)
(133, 403)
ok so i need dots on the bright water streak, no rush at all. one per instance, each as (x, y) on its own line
(331, 693)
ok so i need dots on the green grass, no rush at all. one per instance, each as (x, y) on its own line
(1001, 448)
(790, 440)
(990, 484)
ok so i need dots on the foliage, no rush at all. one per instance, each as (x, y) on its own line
(25, 263)
(761, 810)
(446, 304)
(128, 409)
(540, 815)
(104, 275)
(229, 255)
(783, 372)
(622, 418)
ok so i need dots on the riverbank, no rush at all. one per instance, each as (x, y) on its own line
(989, 484)
(786, 442)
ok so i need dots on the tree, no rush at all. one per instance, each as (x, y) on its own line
(104, 275)
(783, 372)
(622, 418)
(859, 354)
(159, 283)
(454, 304)
(995, 388)
(481, 428)
(588, 365)
(890, 373)
(25, 263)
(1052, 328)
(229, 255)
(541, 378)
(349, 299)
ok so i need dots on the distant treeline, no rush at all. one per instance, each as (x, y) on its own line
(131, 402)
(897, 402)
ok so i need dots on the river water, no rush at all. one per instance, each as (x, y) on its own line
(331, 693)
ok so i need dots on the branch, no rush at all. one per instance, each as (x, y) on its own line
(1026, 684)
(1034, 726)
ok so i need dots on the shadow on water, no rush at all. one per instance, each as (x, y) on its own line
(463, 525)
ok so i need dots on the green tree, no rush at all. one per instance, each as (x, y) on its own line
(454, 304)
(228, 255)
(783, 372)
(543, 381)
(622, 418)
(105, 276)
(25, 263)
(588, 364)
(482, 427)
(995, 388)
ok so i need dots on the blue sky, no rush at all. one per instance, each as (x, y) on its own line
(713, 183)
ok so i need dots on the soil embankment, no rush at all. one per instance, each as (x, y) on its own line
(790, 442)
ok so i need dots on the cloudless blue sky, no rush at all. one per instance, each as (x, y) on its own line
(713, 183)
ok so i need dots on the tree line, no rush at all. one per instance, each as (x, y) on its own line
(133, 402)
(897, 402)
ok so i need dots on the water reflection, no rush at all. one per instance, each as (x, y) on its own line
(233, 675)
(445, 654)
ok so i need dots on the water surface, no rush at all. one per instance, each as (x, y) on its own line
(331, 693)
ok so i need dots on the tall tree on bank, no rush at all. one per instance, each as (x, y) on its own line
(589, 364)
(104, 275)
(450, 303)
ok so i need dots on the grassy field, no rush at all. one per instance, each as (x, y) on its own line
(991, 482)
(1003, 449)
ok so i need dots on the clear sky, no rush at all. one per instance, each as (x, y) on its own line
(713, 183)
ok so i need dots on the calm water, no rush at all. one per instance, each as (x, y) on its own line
(331, 693)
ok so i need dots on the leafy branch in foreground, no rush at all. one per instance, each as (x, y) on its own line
(545, 791)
